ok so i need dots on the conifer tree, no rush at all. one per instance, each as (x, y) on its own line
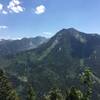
(31, 93)
(54, 94)
(87, 81)
(74, 94)
(6, 90)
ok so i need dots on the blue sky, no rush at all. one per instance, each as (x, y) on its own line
(30, 18)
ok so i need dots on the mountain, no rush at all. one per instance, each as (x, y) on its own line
(58, 62)
(8, 47)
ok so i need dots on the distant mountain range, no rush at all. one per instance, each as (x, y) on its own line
(15, 46)
(58, 62)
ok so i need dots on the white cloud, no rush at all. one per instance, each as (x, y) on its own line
(3, 27)
(4, 12)
(15, 6)
(40, 9)
(47, 34)
(1, 6)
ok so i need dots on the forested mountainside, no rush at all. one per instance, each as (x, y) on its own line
(56, 63)
(8, 47)
(74, 93)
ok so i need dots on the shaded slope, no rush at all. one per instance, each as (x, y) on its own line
(8, 47)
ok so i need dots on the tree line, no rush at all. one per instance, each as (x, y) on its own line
(8, 93)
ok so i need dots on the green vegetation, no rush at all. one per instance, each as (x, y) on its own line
(54, 94)
(30, 93)
(87, 80)
(57, 63)
(74, 93)
(6, 90)
(10, 47)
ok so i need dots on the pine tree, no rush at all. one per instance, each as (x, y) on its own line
(87, 81)
(31, 94)
(6, 90)
(54, 94)
(74, 94)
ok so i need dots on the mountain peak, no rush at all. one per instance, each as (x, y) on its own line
(67, 32)
(70, 30)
